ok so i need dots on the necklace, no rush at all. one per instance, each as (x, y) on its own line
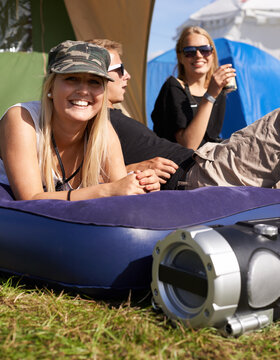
(59, 185)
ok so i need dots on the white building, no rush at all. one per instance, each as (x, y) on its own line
(255, 22)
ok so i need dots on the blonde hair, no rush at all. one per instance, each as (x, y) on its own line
(107, 44)
(97, 143)
(179, 48)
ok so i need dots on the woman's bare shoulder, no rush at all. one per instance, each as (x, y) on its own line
(17, 115)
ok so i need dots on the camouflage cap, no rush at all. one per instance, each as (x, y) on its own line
(79, 57)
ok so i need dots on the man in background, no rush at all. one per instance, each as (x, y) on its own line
(141, 147)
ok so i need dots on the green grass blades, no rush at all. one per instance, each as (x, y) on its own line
(44, 324)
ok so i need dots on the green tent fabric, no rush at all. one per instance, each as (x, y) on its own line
(21, 77)
(22, 73)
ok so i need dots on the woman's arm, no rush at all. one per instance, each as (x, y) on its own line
(18, 147)
(192, 135)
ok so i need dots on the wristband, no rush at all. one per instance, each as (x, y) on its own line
(210, 98)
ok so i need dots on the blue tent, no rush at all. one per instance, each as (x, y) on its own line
(258, 81)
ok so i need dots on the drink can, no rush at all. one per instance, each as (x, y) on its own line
(231, 85)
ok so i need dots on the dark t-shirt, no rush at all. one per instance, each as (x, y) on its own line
(140, 143)
(173, 112)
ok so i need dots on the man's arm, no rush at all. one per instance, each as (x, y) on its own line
(163, 168)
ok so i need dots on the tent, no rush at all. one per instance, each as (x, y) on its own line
(258, 79)
(29, 28)
(254, 22)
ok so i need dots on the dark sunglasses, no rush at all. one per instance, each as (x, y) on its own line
(205, 50)
(117, 67)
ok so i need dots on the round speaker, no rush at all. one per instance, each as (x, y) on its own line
(196, 277)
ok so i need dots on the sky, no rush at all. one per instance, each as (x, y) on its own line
(167, 16)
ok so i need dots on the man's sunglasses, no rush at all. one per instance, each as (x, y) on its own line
(117, 67)
(205, 50)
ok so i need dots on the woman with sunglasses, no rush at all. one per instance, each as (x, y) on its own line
(64, 146)
(190, 109)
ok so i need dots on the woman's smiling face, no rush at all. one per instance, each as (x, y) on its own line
(197, 65)
(77, 97)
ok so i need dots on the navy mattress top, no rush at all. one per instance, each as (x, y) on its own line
(161, 210)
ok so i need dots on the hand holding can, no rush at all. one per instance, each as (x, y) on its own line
(231, 85)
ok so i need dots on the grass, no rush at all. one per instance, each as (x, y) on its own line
(44, 324)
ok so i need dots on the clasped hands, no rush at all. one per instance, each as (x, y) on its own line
(163, 168)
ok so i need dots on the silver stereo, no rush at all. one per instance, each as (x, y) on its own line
(225, 276)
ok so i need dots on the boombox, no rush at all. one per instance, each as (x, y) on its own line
(227, 277)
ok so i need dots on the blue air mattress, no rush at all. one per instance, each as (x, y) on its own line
(104, 246)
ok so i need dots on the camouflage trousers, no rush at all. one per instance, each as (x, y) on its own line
(250, 157)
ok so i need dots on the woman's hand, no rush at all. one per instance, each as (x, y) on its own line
(220, 78)
(148, 179)
(139, 182)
